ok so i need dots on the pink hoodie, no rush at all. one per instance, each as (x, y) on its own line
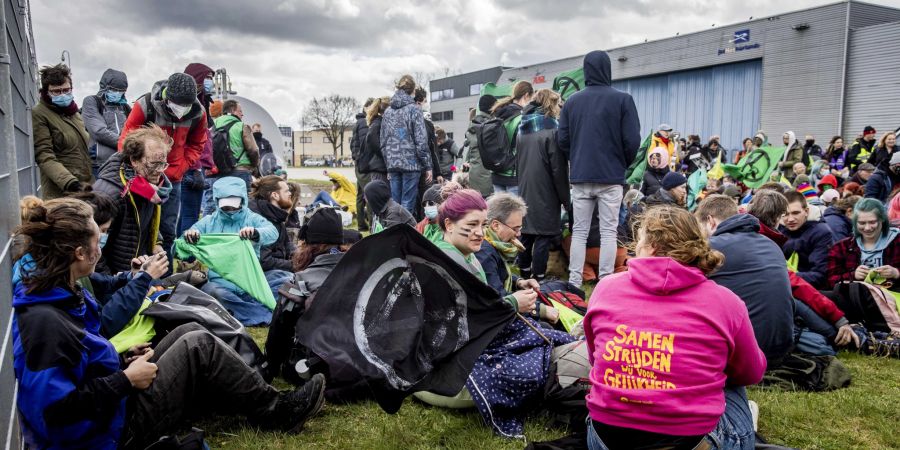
(662, 340)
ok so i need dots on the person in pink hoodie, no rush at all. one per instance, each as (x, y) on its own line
(670, 350)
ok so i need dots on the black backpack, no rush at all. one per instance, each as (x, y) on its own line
(223, 155)
(283, 350)
(496, 142)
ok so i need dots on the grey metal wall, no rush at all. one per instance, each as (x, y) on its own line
(460, 83)
(873, 80)
(17, 177)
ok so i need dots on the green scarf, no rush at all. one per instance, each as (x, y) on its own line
(507, 250)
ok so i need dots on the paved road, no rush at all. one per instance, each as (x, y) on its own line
(315, 173)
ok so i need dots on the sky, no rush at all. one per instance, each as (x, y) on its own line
(282, 53)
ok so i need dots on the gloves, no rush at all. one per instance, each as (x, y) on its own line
(197, 181)
(74, 186)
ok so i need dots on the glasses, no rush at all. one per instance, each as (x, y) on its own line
(60, 91)
(516, 229)
(157, 165)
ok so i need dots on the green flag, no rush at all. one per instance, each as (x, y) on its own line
(497, 91)
(635, 172)
(569, 82)
(234, 259)
(695, 184)
(754, 169)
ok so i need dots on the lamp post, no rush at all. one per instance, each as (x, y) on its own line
(66, 56)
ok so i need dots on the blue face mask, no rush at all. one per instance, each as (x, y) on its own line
(62, 100)
(431, 212)
(114, 97)
(103, 238)
(208, 85)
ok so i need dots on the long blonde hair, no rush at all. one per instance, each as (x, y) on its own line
(520, 89)
(377, 108)
(674, 232)
(549, 101)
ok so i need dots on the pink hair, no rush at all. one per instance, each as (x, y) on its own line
(460, 203)
(894, 208)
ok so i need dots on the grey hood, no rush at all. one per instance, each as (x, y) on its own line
(112, 78)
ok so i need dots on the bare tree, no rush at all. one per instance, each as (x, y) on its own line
(334, 116)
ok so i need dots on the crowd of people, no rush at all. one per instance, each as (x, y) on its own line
(700, 290)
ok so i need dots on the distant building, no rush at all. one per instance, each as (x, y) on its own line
(828, 70)
(287, 138)
(315, 144)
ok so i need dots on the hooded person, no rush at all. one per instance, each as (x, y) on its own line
(479, 176)
(385, 211)
(404, 144)
(104, 115)
(429, 227)
(233, 216)
(792, 155)
(657, 168)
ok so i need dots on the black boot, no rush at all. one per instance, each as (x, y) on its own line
(295, 407)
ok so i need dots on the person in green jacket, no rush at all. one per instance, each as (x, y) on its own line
(479, 176)
(241, 139)
(60, 139)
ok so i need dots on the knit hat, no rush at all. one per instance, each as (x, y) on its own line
(324, 227)
(433, 194)
(868, 130)
(181, 89)
(672, 180)
(807, 190)
(486, 102)
(377, 194)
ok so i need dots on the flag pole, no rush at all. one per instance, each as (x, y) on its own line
(533, 328)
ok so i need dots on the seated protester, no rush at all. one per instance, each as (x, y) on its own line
(74, 391)
(872, 247)
(135, 178)
(880, 185)
(657, 169)
(385, 211)
(829, 197)
(766, 289)
(321, 238)
(343, 191)
(893, 208)
(673, 191)
(825, 183)
(809, 240)
(233, 216)
(293, 220)
(838, 215)
(271, 198)
(500, 247)
(429, 227)
(630, 314)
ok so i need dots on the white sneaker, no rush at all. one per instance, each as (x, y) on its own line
(754, 413)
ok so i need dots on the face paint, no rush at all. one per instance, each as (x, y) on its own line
(465, 232)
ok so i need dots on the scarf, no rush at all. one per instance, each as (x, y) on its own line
(70, 110)
(535, 121)
(507, 250)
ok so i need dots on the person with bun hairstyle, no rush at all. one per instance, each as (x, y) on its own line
(658, 382)
(73, 389)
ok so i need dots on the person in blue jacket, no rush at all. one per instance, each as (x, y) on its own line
(74, 391)
(233, 215)
(809, 239)
(600, 133)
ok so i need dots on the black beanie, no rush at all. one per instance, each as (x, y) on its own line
(181, 89)
(486, 102)
(377, 194)
(324, 227)
(672, 180)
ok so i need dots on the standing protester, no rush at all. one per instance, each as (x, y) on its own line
(371, 159)
(448, 153)
(861, 149)
(811, 150)
(240, 138)
(506, 109)
(543, 181)
(693, 157)
(357, 144)
(404, 143)
(172, 105)
(194, 182)
(600, 130)
(421, 98)
(263, 144)
(60, 142)
(746, 147)
(663, 138)
(885, 147)
(479, 176)
(104, 116)
(837, 156)
(793, 155)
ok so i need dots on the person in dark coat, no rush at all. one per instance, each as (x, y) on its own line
(543, 180)
(838, 215)
(809, 239)
(357, 143)
(385, 211)
(505, 110)
(766, 290)
(673, 191)
(657, 168)
(371, 159)
(448, 153)
(104, 115)
(270, 197)
(881, 182)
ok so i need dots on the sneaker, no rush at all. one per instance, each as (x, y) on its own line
(294, 408)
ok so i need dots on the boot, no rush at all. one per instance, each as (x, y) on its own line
(294, 408)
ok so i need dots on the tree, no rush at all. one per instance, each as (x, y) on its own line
(333, 115)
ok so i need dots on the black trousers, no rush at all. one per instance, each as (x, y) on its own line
(536, 254)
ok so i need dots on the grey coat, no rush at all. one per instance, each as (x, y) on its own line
(104, 127)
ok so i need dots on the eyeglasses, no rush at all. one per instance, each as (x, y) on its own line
(157, 165)
(516, 229)
(60, 91)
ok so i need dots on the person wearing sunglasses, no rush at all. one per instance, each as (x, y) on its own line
(60, 141)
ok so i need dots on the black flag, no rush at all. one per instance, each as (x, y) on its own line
(400, 314)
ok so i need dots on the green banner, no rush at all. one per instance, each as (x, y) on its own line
(569, 82)
(695, 184)
(635, 172)
(497, 91)
(755, 168)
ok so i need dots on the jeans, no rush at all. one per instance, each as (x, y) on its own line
(324, 198)
(245, 175)
(536, 254)
(197, 374)
(404, 189)
(362, 216)
(190, 201)
(733, 432)
(208, 203)
(607, 199)
(511, 189)
(814, 334)
(171, 209)
(246, 309)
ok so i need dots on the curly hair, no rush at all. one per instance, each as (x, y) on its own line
(135, 143)
(674, 232)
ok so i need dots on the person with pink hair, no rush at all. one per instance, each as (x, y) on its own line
(894, 210)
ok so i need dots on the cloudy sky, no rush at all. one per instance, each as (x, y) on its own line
(281, 53)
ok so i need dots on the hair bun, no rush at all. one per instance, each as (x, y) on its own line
(32, 209)
(449, 189)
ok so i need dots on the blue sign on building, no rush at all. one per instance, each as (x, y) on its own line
(741, 36)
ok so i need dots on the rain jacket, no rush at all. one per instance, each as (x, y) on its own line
(542, 171)
(599, 127)
(104, 120)
(72, 389)
(793, 155)
(404, 141)
(345, 194)
(60, 150)
(479, 176)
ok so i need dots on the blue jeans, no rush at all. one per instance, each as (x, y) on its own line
(208, 203)
(813, 335)
(511, 189)
(734, 430)
(171, 209)
(245, 175)
(324, 198)
(241, 305)
(190, 201)
(405, 188)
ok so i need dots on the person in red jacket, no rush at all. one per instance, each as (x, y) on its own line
(172, 104)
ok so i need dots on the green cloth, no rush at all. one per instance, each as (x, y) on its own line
(497, 91)
(472, 264)
(754, 169)
(235, 138)
(874, 278)
(433, 233)
(635, 172)
(793, 261)
(140, 329)
(462, 400)
(233, 259)
(569, 82)
(695, 184)
(568, 317)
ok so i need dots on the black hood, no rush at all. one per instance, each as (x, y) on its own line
(360, 115)
(597, 71)
(378, 194)
(741, 223)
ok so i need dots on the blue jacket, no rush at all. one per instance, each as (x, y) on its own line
(840, 224)
(494, 268)
(811, 242)
(404, 141)
(756, 272)
(72, 389)
(599, 128)
(879, 186)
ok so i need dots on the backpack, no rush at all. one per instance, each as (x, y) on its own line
(496, 142)
(283, 350)
(567, 385)
(802, 372)
(223, 154)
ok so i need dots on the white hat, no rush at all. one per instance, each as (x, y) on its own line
(830, 196)
(234, 202)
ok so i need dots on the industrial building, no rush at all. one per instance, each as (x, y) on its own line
(828, 70)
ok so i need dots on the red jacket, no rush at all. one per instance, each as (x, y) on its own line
(844, 257)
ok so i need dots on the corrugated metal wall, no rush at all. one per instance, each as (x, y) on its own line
(721, 100)
(17, 178)
(873, 80)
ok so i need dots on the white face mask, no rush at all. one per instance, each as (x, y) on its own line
(178, 110)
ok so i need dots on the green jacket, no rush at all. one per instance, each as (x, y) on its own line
(479, 176)
(60, 150)
(235, 138)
